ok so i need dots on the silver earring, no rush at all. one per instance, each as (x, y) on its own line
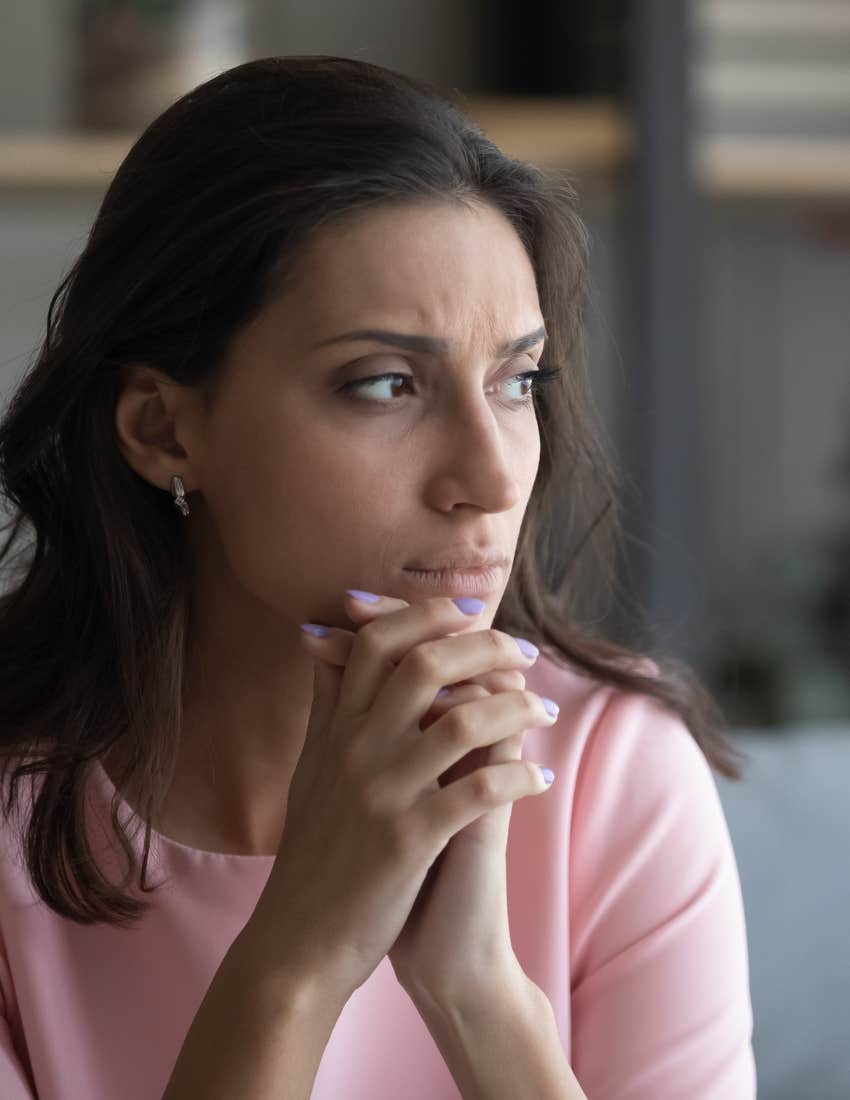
(179, 495)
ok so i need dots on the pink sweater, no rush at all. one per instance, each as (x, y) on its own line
(625, 908)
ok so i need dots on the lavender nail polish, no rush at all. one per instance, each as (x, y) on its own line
(315, 628)
(366, 597)
(528, 648)
(469, 605)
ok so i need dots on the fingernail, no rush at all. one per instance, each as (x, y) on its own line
(548, 774)
(367, 597)
(315, 628)
(528, 649)
(551, 706)
(469, 605)
(442, 692)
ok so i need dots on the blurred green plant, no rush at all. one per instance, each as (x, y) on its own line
(793, 665)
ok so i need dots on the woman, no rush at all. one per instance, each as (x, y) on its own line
(329, 321)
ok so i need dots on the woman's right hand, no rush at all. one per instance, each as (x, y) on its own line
(366, 816)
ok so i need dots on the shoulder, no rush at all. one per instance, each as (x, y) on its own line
(599, 720)
(648, 836)
(632, 766)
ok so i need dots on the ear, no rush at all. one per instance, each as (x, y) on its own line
(157, 422)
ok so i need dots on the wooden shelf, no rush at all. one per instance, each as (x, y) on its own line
(589, 139)
(63, 160)
(775, 168)
(593, 140)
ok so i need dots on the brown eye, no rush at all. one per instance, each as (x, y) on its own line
(361, 383)
(536, 377)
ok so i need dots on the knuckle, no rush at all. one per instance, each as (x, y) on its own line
(458, 727)
(424, 661)
(433, 611)
(484, 787)
(498, 680)
(533, 773)
(385, 816)
(368, 638)
(532, 700)
(402, 835)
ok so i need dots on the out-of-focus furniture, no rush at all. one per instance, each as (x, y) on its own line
(789, 819)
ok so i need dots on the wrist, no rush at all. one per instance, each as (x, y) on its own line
(501, 980)
(501, 1041)
(292, 980)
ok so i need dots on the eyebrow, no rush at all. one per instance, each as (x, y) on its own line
(431, 345)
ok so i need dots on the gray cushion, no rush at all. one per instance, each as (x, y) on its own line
(789, 819)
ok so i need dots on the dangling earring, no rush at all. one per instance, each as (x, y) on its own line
(179, 495)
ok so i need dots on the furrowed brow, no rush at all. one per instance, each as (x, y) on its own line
(430, 345)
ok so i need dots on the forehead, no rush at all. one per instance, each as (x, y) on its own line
(453, 272)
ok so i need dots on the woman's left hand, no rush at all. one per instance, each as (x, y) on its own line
(463, 900)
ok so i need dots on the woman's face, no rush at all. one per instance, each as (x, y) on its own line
(311, 485)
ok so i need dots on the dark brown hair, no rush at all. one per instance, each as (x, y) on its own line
(198, 231)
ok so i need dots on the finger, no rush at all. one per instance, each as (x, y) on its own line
(453, 696)
(326, 685)
(363, 611)
(457, 804)
(470, 726)
(373, 659)
(504, 679)
(509, 748)
(400, 662)
(333, 649)
(336, 646)
(382, 645)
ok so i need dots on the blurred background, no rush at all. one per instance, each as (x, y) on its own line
(710, 144)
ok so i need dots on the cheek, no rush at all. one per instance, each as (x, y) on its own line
(292, 504)
(533, 460)
(525, 458)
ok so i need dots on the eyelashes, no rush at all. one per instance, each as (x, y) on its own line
(538, 379)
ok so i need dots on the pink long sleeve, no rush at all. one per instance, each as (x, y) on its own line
(624, 904)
